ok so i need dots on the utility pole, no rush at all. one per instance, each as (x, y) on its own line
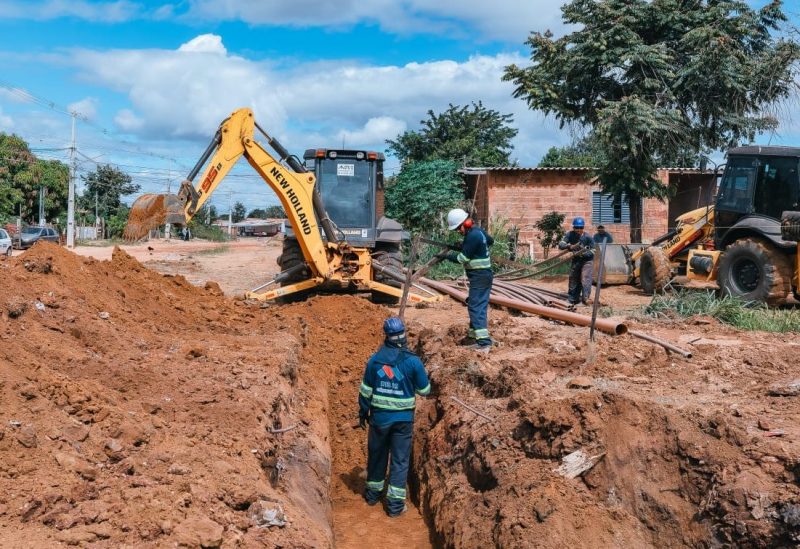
(41, 206)
(230, 213)
(71, 199)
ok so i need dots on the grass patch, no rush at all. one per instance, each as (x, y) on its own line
(730, 310)
(216, 250)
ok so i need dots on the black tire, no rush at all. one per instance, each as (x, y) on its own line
(291, 256)
(8, 251)
(389, 256)
(755, 271)
(655, 270)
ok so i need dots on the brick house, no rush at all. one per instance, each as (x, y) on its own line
(523, 195)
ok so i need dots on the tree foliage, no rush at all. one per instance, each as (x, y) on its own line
(105, 187)
(271, 212)
(422, 191)
(660, 80)
(474, 136)
(239, 212)
(582, 153)
(22, 174)
(551, 230)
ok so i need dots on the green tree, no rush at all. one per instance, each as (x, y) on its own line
(239, 212)
(275, 212)
(22, 175)
(474, 136)
(419, 194)
(551, 231)
(107, 184)
(258, 213)
(660, 80)
(580, 154)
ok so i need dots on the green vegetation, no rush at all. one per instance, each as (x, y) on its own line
(658, 82)
(216, 250)
(730, 310)
(22, 174)
(551, 231)
(422, 193)
(472, 137)
(208, 232)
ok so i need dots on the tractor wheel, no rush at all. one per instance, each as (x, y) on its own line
(388, 256)
(291, 256)
(755, 271)
(655, 271)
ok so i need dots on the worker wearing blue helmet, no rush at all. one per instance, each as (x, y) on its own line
(582, 267)
(386, 400)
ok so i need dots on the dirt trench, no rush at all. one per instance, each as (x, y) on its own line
(336, 348)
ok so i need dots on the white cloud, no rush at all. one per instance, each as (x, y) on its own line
(106, 12)
(376, 130)
(6, 122)
(205, 43)
(188, 91)
(505, 20)
(86, 107)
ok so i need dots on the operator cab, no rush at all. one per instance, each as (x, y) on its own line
(759, 184)
(350, 183)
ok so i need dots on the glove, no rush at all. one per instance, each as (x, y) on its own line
(575, 247)
(363, 421)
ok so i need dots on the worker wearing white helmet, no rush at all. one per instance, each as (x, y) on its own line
(474, 256)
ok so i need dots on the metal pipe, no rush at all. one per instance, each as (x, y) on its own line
(606, 325)
(666, 344)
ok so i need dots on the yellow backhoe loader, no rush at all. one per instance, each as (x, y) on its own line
(747, 244)
(328, 260)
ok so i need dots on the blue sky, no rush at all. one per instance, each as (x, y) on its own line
(153, 80)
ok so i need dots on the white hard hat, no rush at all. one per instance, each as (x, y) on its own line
(455, 218)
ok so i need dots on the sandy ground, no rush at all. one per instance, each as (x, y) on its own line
(162, 424)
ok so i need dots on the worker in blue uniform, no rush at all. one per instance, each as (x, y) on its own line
(392, 379)
(474, 256)
(581, 269)
(602, 236)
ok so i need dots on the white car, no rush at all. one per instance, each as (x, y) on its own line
(5, 243)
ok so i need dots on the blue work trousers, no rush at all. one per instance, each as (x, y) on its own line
(580, 281)
(395, 440)
(480, 286)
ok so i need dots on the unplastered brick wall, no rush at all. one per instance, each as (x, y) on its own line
(523, 196)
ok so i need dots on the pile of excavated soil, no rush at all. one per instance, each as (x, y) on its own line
(137, 409)
(699, 453)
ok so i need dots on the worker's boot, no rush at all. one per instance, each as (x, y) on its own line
(400, 512)
(467, 341)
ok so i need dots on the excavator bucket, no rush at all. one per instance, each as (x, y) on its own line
(618, 266)
(150, 211)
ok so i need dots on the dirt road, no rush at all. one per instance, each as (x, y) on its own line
(147, 410)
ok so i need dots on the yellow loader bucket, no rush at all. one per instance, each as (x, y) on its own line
(150, 211)
(618, 265)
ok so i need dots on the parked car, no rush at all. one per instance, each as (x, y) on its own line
(5, 242)
(30, 235)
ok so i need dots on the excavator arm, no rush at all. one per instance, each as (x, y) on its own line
(295, 189)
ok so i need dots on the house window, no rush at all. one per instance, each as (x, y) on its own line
(609, 209)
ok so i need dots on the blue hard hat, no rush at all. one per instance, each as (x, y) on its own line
(578, 223)
(393, 326)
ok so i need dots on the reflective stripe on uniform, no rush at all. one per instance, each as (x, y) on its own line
(389, 403)
(425, 390)
(396, 493)
(365, 390)
(481, 333)
(375, 485)
(471, 333)
(481, 263)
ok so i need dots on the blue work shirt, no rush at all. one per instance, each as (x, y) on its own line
(392, 379)
(598, 238)
(474, 250)
(572, 237)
